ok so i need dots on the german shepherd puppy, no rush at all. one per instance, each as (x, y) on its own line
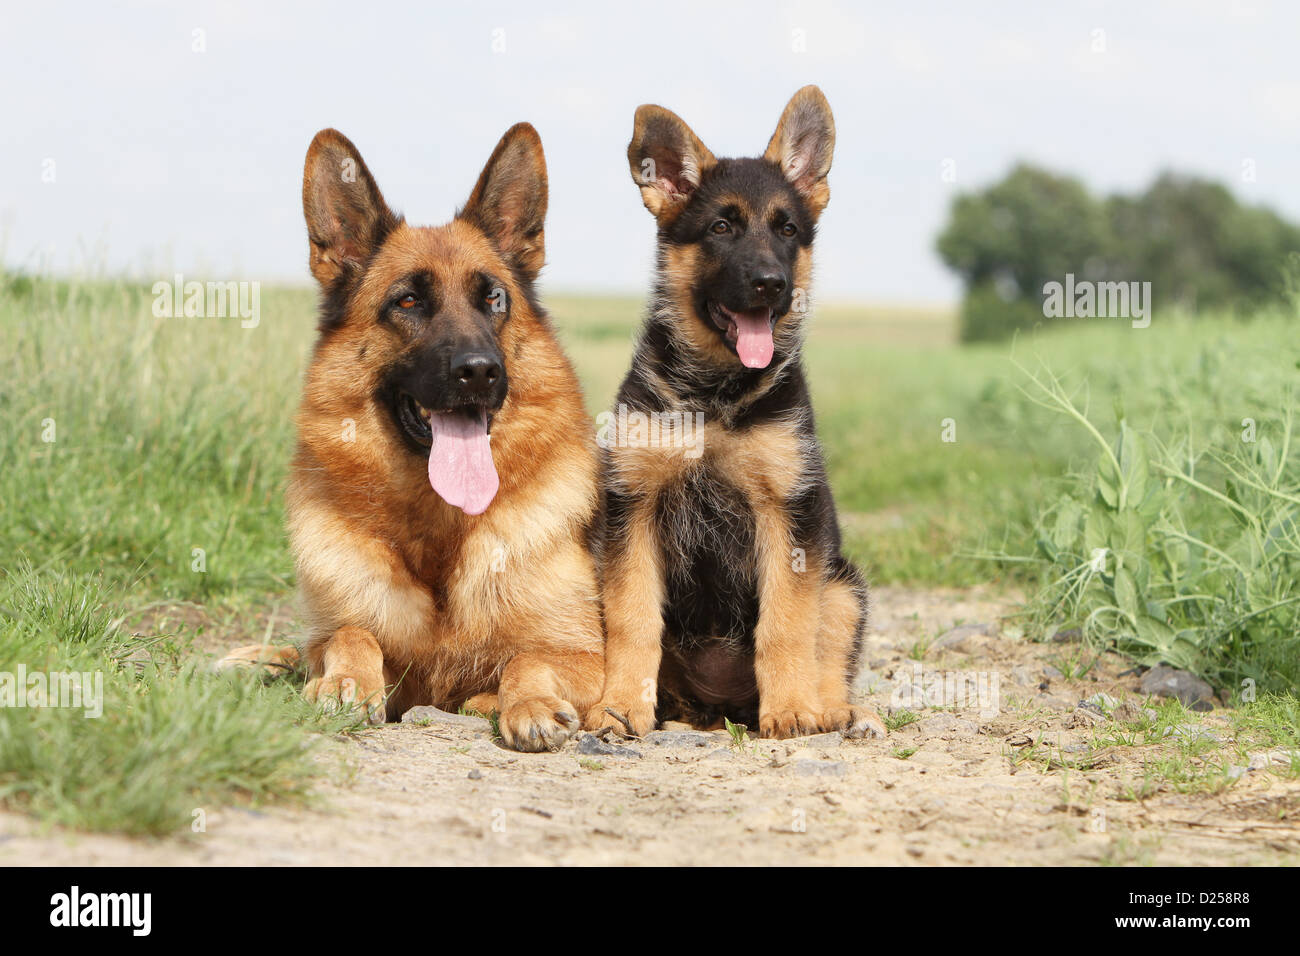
(445, 484)
(725, 590)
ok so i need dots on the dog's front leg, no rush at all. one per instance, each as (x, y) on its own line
(634, 627)
(785, 640)
(843, 616)
(347, 670)
(542, 694)
(557, 666)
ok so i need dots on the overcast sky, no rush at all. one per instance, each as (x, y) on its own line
(166, 159)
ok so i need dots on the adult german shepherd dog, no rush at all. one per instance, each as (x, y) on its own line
(725, 591)
(444, 490)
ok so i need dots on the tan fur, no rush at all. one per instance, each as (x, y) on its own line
(839, 613)
(450, 597)
(268, 660)
(459, 608)
(634, 630)
(785, 641)
(349, 669)
(767, 463)
(679, 267)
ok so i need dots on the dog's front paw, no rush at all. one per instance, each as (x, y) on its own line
(538, 723)
(338, 691)
(628, 719)
(795, 721)
(854, 721)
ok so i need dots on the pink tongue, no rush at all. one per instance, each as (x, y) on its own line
(460, 461)
(753, 338)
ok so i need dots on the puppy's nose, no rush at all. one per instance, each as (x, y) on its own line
(474, 373)
(769, 286)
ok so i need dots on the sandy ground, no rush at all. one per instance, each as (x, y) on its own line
(977, 781)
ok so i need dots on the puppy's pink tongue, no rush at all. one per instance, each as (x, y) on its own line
(460, 461)
(753, 338)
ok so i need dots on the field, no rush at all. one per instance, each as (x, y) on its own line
(142, 462)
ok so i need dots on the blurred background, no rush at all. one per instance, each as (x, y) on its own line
(147, 138)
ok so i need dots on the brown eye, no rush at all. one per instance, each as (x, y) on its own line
(720, 227)
(789, 229)
(407, 302)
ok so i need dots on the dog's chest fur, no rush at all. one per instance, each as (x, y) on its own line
(707, 529)
(706, 515)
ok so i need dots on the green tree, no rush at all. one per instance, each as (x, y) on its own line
(1188, 237)
(1197, 246)
(1007, 241)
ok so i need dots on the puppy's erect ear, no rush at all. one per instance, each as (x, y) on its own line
(347, 217)
(666, 158)
(802, 146)
(509, 201)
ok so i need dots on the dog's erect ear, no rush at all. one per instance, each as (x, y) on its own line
(347, 217)
(802, 146)
(666, 158)
(509, 201)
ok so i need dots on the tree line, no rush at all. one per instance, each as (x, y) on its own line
(1188, 237)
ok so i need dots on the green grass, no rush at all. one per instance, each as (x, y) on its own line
(738, 733)
(1178, 750)
(900, 719)
(170, 738)
(170, 435)
(171, 439)
(1181, 543)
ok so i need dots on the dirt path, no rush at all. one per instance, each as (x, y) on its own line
(968, 784)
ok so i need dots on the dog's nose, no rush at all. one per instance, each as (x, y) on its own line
(769, 286)
(474, 373)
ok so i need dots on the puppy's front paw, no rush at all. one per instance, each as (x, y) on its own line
(538, 723)
(340, 691)
(854, 721)
(789, 722)
(628, 719)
